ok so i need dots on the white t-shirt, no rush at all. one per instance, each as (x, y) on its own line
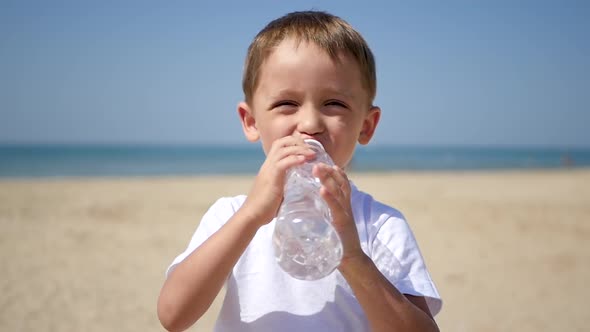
(262, 297)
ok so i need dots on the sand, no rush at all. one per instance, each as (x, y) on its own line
(508, 250)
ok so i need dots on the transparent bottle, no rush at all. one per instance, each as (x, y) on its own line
(306, 245)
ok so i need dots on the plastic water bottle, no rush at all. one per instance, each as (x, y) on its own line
(306, 245)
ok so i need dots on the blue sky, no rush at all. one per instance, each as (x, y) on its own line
(508, 73)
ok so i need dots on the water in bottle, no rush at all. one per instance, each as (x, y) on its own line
(306, 245)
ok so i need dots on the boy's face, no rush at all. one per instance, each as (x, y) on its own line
(304, 93)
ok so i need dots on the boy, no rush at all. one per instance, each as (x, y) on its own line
(307, 75)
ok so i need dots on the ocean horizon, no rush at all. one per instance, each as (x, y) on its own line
(66, 160)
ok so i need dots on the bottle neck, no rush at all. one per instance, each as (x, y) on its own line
(300, 182)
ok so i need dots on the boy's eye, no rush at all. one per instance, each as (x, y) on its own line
(284, 103)
(336, 103)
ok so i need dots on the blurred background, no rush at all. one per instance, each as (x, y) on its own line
(118, 129)
(99, 88)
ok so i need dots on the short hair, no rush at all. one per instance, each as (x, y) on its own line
(332, 34)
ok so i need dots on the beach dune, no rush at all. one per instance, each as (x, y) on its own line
(508, 250)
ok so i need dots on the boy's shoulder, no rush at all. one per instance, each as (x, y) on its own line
(376, 219)
(222, 209)
(229, 204)
(230, 201)
(371, 209)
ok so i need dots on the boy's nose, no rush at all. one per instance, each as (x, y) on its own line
(310, 121)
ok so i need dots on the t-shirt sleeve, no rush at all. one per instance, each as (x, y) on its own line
(397, 255)
(217, 215)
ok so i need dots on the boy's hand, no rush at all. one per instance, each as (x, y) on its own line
(266, 195)
(336, 192)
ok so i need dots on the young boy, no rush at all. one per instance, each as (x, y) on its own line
(307, 75)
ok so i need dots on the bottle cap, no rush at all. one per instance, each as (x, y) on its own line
(322, 155)
(314, 143)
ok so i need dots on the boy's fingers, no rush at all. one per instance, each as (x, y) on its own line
(333, 203)
(288, 141)
(335, 178)
(336, 187)
(339, 212)
(289, 161)
(327, 179)
(342, 180)
(294, 150)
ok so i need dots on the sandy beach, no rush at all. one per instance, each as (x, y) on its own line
(508, 250)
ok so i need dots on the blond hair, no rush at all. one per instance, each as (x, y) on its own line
(331, 33)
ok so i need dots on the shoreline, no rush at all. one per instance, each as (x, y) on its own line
(159, 177)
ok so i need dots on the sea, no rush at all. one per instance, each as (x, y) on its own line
(27, 161)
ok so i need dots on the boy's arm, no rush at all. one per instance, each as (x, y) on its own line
(192, 286)
(383, 304)
(190, 289)
(386, 308)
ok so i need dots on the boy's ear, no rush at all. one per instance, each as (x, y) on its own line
(248, 122)
(369, 125)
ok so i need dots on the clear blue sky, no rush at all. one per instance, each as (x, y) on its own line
(449, 72)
